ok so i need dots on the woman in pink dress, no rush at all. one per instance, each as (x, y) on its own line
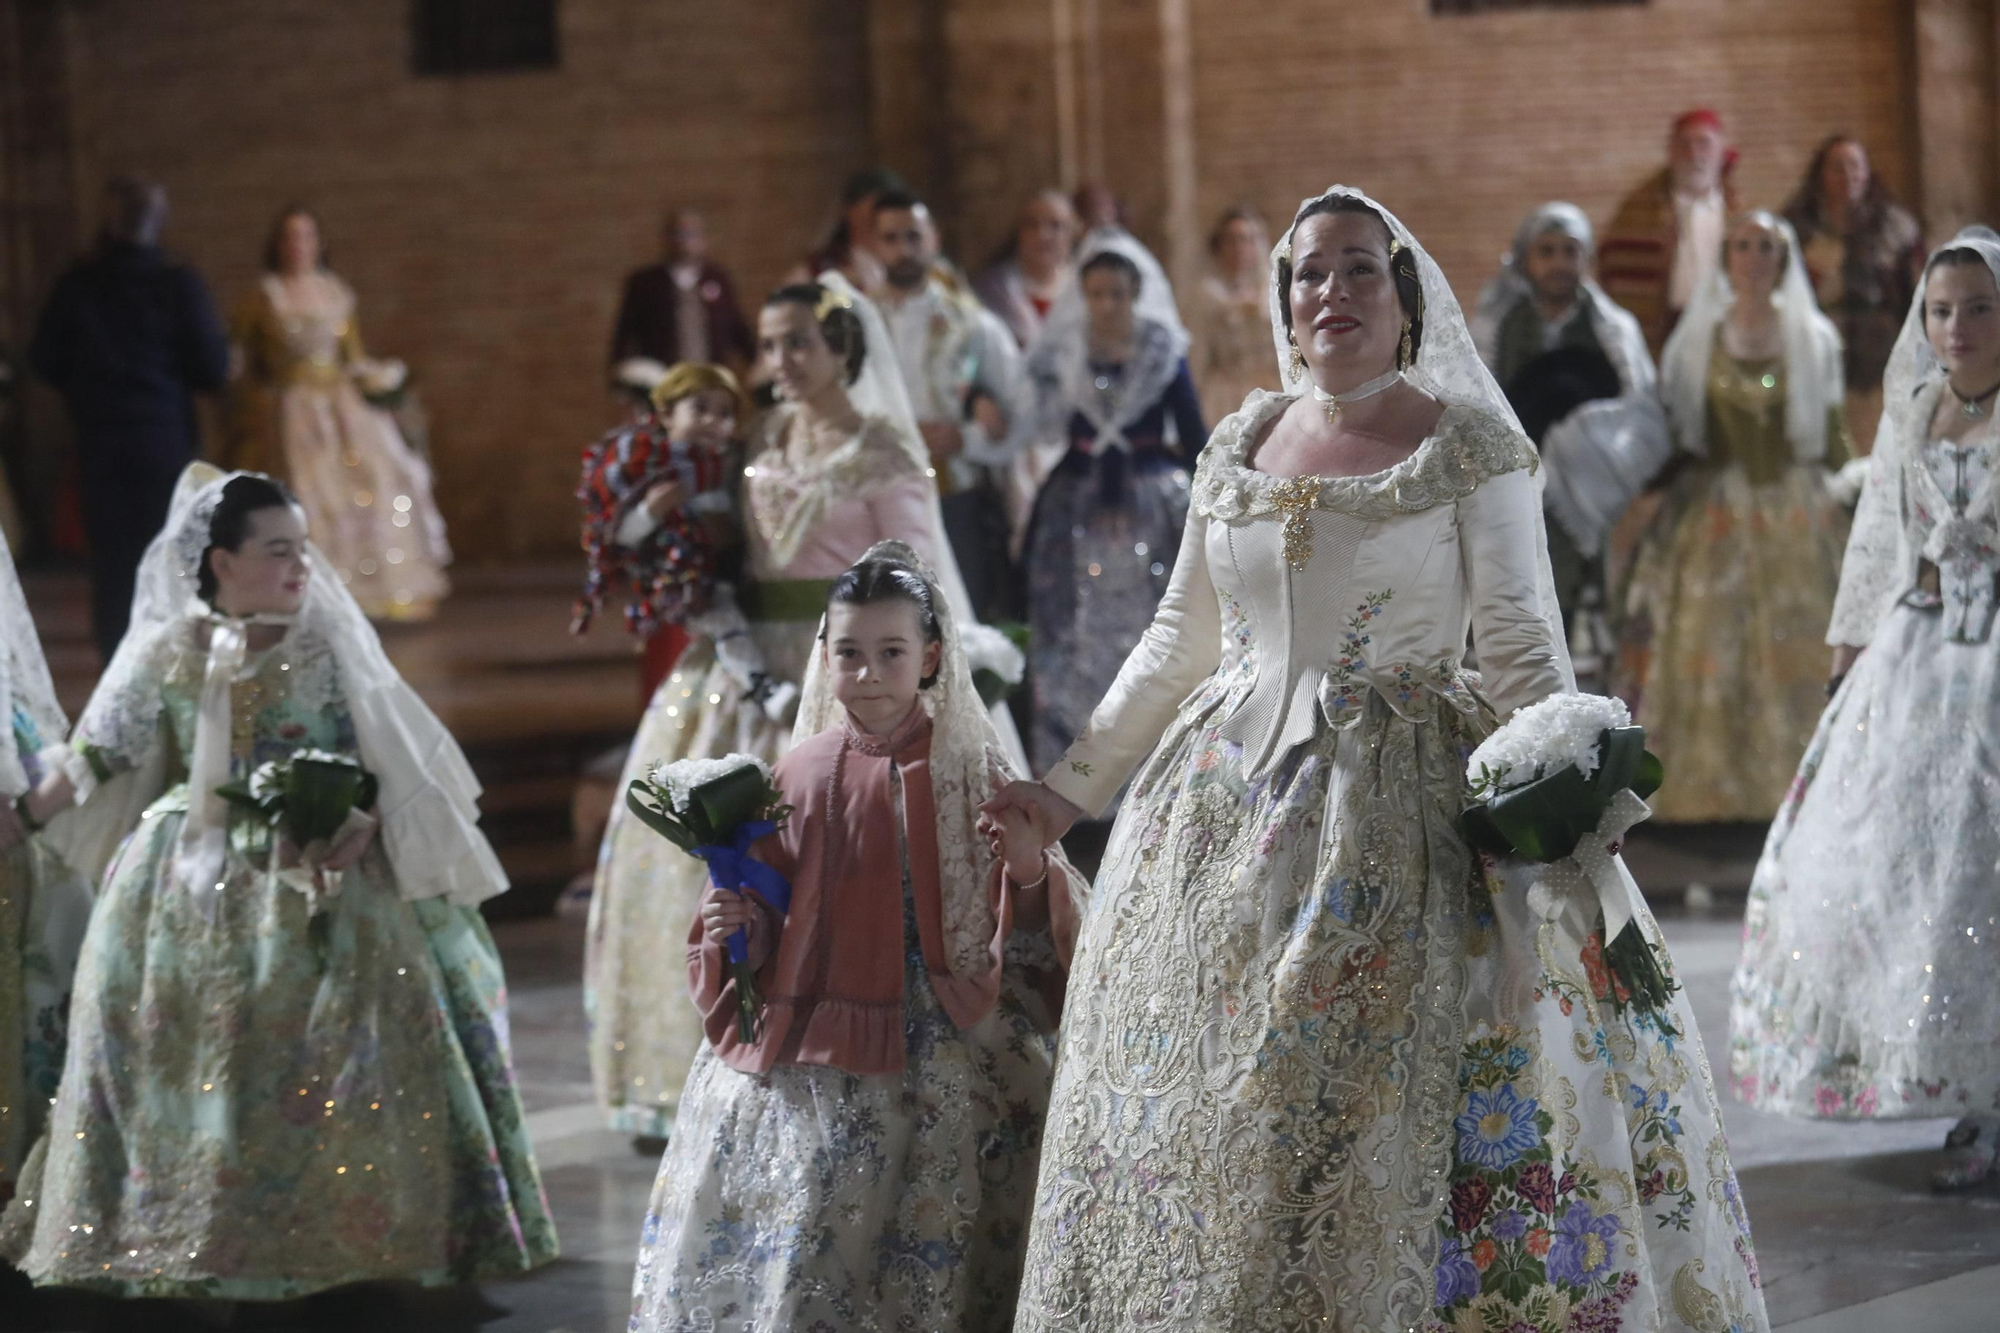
(836, 468)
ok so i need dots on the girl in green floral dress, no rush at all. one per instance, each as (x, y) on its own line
(278, 1081)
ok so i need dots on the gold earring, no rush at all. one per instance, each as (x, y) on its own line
(1404, 355)
(1298, 358)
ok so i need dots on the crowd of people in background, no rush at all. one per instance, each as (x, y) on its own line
(1085, 519)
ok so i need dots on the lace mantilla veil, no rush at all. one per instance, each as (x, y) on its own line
(428, 796)
(968, 757)
(1448, 368)
(1814, 380)
(24, 679)
(1059, 362)
(1878, 558)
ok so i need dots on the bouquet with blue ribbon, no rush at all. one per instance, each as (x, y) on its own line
(715, 809)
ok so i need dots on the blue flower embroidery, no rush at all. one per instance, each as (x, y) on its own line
(1457, 1278)
(1497, 1127)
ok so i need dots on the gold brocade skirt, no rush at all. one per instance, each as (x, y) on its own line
(1721, 653)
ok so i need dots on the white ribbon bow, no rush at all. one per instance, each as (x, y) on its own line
(205, 838)
(1594, 868)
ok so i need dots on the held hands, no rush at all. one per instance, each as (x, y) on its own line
(1014, 839)
(1047, 814)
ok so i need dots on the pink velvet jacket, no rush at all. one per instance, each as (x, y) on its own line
(833, 983)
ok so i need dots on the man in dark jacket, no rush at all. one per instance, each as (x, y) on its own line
(683, 309)
(128, 337)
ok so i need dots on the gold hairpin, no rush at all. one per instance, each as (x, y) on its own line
(830, 301)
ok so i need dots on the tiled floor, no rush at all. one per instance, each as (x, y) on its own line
(1850, 1238)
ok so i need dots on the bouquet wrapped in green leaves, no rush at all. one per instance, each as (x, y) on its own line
(715, 809)
(1560, 785)
(313, 800)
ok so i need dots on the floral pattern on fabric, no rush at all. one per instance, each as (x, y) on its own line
(815, 1199)
(259, 1103)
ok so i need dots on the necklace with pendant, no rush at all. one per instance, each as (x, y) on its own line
(1333, 402)
(1971, 406)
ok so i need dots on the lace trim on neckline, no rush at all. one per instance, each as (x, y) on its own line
(1465, 448)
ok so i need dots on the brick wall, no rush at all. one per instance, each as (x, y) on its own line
(1461, 124)
(485, 222)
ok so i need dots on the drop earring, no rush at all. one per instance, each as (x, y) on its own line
(1404, 355)
(1298, 358)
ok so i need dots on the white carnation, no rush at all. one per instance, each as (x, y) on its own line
(682, 777)
(1544, 738)
(987, 649)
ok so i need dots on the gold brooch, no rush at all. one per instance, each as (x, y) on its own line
(1295, 498)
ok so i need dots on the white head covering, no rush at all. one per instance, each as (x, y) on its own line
(1447, 366)
(968, 760)
(24, 679)
(1813, 378)
(1059, 362)
(1878, 562)
(1618, 332)
(427, 802)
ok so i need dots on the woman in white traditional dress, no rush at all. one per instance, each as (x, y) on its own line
(837, 467)
(1319, 1067)
(1719, 654)
(281, 1077)
(44, 905)
(300, 414)
(1866, 989)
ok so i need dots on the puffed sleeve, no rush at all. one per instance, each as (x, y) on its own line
(1514, 635)
(1178, 651)
(124, 724)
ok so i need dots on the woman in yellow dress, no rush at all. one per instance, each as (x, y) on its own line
(1731, 587)
(300, 414)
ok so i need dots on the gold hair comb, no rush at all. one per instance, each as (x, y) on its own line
(831, 300)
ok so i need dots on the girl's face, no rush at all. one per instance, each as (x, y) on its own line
(1346, 315)
(298, 244)
(795, 352)
(1755, 255)
(877, 659)
(706, 419)
(1241, 246)
(266, 575)
(1108, 295)
(1962, 322)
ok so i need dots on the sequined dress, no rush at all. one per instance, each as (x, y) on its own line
(298, 415)
(1720, 653)
(806, 524)
(810, 1198)
(1865, 989)
(259, 1102)
(1319, 1067)
(44, 907)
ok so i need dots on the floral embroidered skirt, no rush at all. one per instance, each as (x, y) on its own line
(1722, 654)
(812, 1199)
(1321, 1069)
(644, 1031)
(44, 908)
(1865, 990)
(258, 1104)
(1097, 565)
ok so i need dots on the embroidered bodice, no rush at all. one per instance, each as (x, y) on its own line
(302, 335)
(1297, 596)
(812, 519)
(1926, 503)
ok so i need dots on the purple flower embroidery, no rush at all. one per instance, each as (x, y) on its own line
(1581, 1250)
(1510, 1226)
(1538, 1186)
(1457, 1277)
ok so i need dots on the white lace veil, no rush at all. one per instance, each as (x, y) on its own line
(24, 679)
(1814, 381)
(968, 761)
(1448, 367)
(1618, 333)
(879, 391)
(1877, 561)
(428, 795)
(1059, 362)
